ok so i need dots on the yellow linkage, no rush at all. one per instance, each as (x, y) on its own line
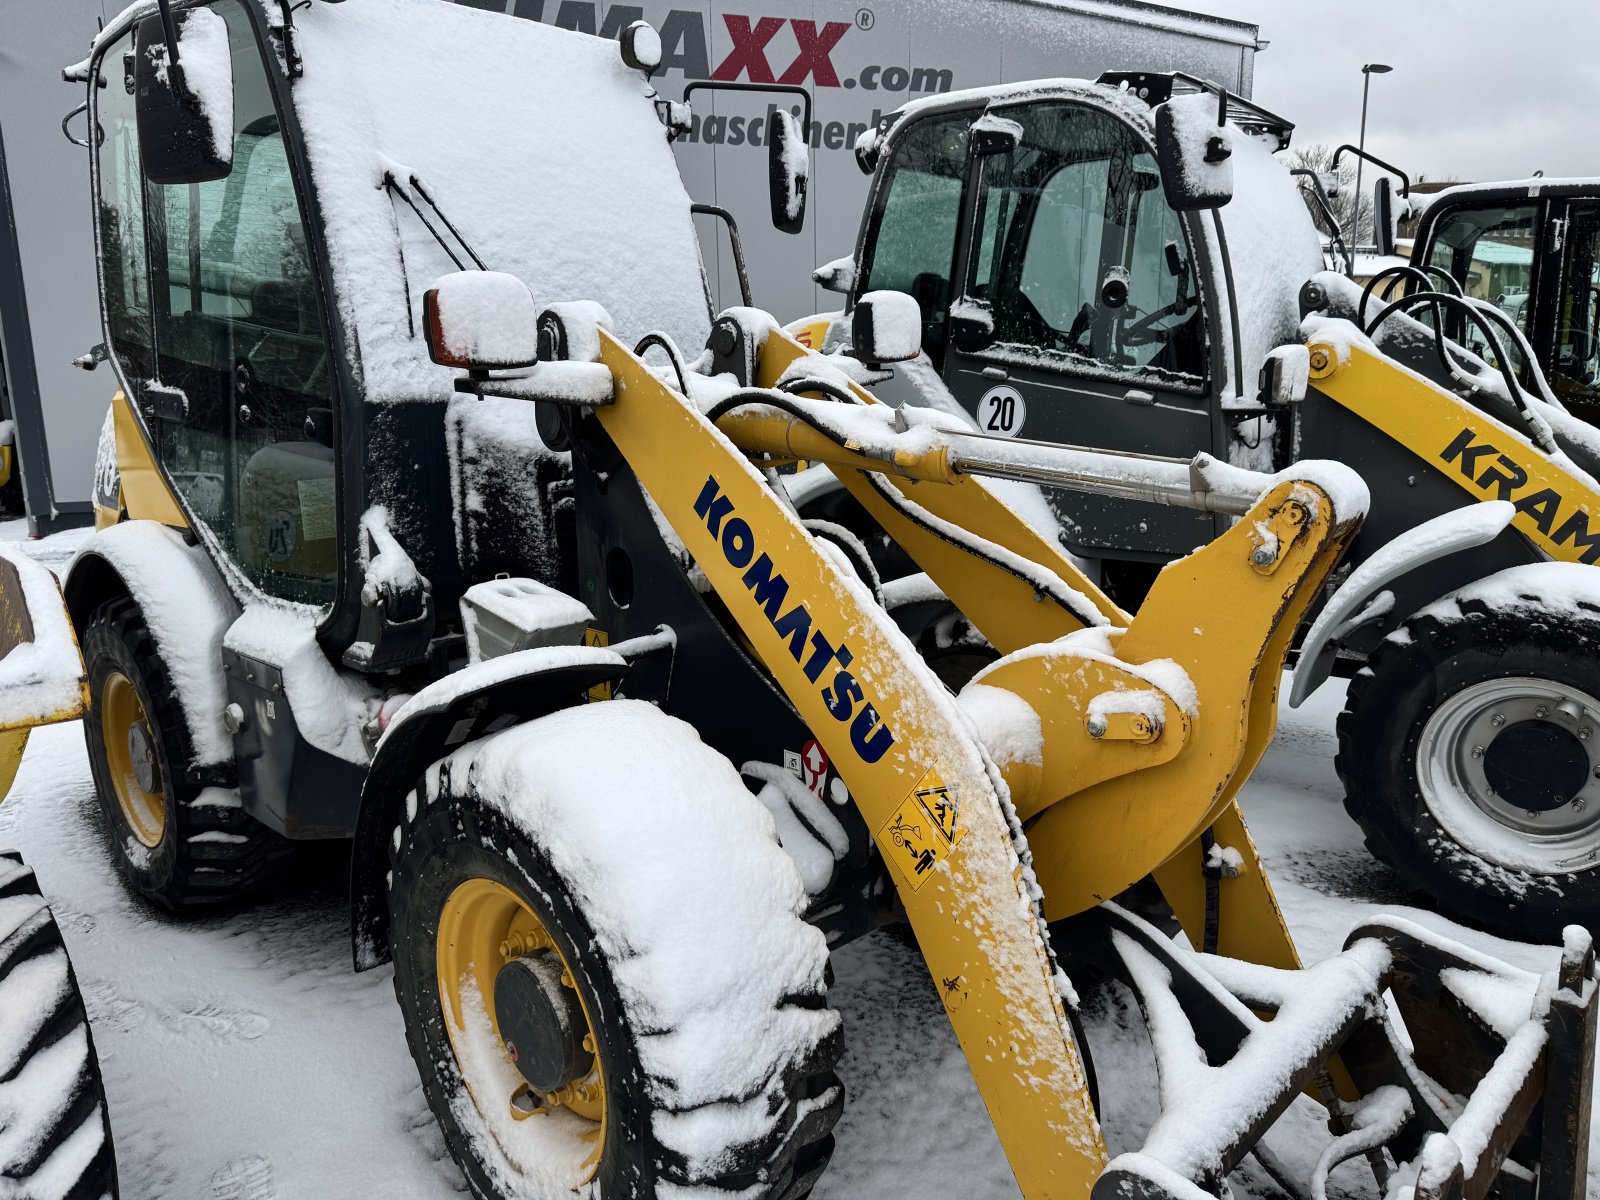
(1118, 793)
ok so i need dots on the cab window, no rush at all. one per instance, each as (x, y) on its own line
(236, 370)
(1078, 260)
(1490, 252)
(913, 238)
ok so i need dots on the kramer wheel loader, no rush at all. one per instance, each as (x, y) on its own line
(513, 594)
(1123, 265)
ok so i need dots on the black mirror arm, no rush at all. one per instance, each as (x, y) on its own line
(170, 29)
(1405, 180)
(793, 89)
(726, 217)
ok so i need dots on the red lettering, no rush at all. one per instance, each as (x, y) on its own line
(816, 49)
(749, 53)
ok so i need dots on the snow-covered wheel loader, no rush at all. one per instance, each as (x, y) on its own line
(55, 1129)
(1123, 265)
(512, 593)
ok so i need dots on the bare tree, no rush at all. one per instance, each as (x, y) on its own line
(1340, 187)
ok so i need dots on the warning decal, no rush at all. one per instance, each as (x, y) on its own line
(922, 830)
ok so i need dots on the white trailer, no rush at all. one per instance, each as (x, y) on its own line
(859, 58)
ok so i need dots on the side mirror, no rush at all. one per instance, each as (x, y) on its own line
(1384, 229)
(836, 276)
(994, 134)
(1285, 376)
(788, 170)
(183, 101)
(1193, 148)
(886, 328)
(481, 321)
(641, 47)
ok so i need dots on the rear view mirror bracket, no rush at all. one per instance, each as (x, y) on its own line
(788, 159)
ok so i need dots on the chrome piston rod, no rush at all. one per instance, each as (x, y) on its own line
(1175, 482)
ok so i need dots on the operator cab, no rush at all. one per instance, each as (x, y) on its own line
(1532, 248)
(1064, 294)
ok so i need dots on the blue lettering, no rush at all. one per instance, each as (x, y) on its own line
(738, 543)
(769, 590)
(712, 506)
(869, 735)
(796, 626)
(841, 698)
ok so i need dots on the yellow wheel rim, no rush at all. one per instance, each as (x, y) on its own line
(483, 926)
(130, 750)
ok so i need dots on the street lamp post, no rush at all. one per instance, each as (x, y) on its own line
(1368, 70)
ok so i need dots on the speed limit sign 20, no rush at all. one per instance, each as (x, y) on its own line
(1002, 411)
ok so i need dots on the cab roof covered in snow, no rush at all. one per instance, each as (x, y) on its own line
(498, 118)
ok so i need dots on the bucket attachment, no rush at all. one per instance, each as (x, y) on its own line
(42, 679)
(1476, 1083)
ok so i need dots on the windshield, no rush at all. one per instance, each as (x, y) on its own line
(540, 146)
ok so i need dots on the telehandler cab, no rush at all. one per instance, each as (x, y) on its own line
(623, 746)
(1089, 275)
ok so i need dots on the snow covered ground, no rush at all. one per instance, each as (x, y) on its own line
(244, 1060)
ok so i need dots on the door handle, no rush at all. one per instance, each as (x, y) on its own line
(1138, 396)
(996, 373)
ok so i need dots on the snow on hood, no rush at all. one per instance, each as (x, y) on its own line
(541, 147)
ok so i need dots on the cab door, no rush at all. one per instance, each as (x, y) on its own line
(1573, 339)
(1079, 318)
(218, 331)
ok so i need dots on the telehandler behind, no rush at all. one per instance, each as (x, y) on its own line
(1079, 285)
(623, 746)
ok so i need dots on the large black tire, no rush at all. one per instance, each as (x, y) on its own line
(726, 1117)
(204, 849)
(1461, 728)
(55, 1136)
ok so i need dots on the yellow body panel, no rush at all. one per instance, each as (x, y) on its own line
(7, 455)
(12, 743)
(917, 778)
(1073, 758)
(1227, 625)
(144, 490)
(1488, 459)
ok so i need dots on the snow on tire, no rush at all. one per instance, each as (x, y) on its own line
(1469, 749)
(687, 1049)
(181, 843)
(55, 1137)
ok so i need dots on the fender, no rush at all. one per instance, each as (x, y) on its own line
(446, 714)
(1455, 531)
(185, 604)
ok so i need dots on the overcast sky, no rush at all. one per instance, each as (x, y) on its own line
(1481, 89)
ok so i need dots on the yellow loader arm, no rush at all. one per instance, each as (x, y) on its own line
(41, 671)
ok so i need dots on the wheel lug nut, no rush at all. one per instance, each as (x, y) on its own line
(1585, 733)
(1579, 804)
(1498, 720)
(1477, 752)
(1542, 711)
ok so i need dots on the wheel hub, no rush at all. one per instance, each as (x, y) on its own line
(130, 743)
(1536, 766)
(142, 756)
(541, 1021)
(1511, 769)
